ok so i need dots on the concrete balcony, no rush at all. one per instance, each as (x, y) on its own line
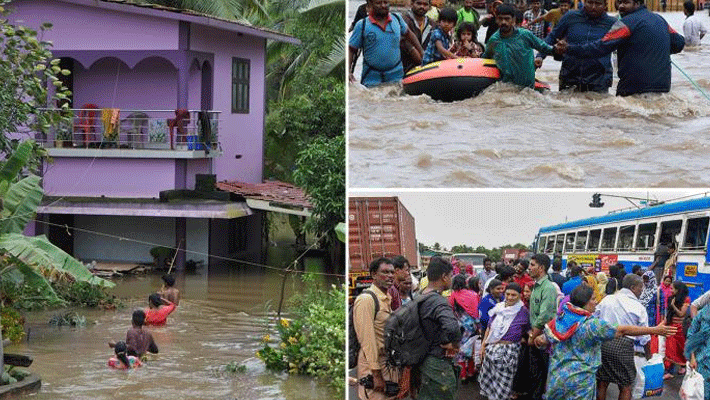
(113, 133)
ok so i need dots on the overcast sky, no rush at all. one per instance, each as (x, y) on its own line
(495, 218)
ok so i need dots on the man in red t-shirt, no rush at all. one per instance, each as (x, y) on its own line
(521, 277)
(158, 310)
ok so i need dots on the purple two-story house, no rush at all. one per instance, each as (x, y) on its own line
(163, 100)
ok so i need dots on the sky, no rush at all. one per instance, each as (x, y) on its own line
(493, 218)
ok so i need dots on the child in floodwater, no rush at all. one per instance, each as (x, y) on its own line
(466, 44)
(138, 341)
(158, 310)
(440, 39)
(123, 361)
(169, 291)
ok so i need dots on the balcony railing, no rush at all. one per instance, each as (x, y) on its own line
(135, 129)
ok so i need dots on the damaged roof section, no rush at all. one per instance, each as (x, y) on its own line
(273, 196)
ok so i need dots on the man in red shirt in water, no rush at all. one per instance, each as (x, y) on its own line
(158, 309)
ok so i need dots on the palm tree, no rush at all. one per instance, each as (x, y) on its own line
(245, 11)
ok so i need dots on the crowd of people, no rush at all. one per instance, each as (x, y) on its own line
(524, 334)
(132, 352)
(583, 39)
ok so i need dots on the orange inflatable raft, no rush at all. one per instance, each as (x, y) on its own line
(455, 79)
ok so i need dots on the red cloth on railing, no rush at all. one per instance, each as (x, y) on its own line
(182, 118)
(87, 121)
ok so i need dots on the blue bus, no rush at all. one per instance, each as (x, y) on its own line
(632, 237)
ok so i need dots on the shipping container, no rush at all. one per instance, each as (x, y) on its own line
(377, 227)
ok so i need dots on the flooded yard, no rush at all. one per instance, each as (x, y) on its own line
(221, 319)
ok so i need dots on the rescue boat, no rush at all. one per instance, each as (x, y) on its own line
(455, 79)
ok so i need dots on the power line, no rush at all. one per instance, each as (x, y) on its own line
(122, 238)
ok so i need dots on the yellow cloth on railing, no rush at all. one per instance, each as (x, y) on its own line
(110, 118)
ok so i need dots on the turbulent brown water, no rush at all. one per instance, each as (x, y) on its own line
(508, 138)
(221, 319)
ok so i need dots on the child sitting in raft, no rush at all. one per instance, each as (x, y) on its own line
(123, 361)
(440, 39)
(466, 44)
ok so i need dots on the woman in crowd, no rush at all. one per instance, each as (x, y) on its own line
(465, 305)
(697, 346)
(501, 345)
(664, 293)
(602, 280)
(678, 305)
(576, 338)
(495, 295)
(527, 292)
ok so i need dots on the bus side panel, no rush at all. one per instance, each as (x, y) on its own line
(693, 271)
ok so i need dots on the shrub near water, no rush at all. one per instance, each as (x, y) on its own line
(313, 342)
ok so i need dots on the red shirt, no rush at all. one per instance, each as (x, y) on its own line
(522, 280)
(157, 316)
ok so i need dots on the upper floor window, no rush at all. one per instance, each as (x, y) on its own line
(240, 86)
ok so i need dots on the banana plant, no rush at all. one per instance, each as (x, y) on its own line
(32, 261)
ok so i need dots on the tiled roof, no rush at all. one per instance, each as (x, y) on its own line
(271, 191)
(246, 24)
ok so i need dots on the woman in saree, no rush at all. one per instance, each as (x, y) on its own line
(576, 337)
(465, 305)
(501, 345)
(678, 305)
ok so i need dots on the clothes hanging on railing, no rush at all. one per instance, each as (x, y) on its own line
(87, 122)
(205, 130)
(182, 118)
(110, 119)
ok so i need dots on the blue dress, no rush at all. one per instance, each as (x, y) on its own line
(484, 306)
(576, 360)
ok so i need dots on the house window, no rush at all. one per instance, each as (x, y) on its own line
(240, 86)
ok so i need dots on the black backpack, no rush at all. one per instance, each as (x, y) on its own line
(405, 343)
(353, 343)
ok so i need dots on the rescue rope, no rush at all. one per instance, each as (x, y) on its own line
(691, 80)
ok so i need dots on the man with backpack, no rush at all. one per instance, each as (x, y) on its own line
(439, 372)
(379, 36)
(370, 311)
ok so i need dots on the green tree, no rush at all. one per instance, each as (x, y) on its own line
(26, 68)
(30, 261)
(320, 171)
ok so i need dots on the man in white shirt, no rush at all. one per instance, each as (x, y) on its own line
(699, 303)
(693, 28)
(622, 308)
(487, 273)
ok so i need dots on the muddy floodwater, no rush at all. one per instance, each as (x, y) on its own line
(221, 318)
(508, 138)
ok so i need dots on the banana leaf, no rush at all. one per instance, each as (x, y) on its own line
(12, 167)
(40, 253)
(20, 204)
(22, 274)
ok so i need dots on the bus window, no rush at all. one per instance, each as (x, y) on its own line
(646, 236)
(626, 237)
(569, 242)
(550, 244)
(608, 239)
(696, 233)
(670, 230)
(594, 236)
(541, 244)
(581, 240)
(560, 241)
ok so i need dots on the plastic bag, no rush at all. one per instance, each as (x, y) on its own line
(693, 386)
(467, 347)
(478, 359)
(649, 377)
